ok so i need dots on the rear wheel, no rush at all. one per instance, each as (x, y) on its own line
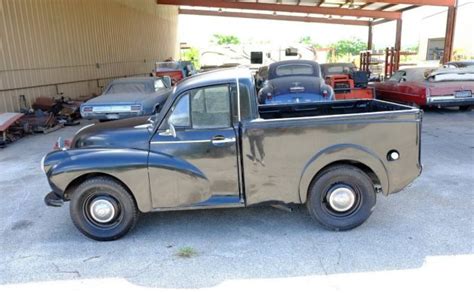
(102, 209)
(341, 198)
(464, 108)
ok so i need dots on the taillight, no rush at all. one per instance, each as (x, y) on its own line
(269, 96)
(65, 144)
(136, 108)
(87, 109)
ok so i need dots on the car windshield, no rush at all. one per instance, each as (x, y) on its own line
(294, 69)
(465, 74)
(129, 87)
(167, 65)
(339, 69)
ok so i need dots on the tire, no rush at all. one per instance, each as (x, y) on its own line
(352, 183)
(103, 190)
(465, 108)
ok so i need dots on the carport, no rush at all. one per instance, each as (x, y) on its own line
(345, 12)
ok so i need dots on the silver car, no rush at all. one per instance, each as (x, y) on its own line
(128, 97)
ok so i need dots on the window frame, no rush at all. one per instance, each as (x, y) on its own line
(165, 125)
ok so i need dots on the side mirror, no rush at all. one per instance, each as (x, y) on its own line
(167, 80)
(171, 131)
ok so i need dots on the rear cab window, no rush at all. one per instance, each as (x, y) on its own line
(294, 69)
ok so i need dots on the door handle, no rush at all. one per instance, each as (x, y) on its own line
(220, 140)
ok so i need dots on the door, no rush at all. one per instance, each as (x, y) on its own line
(389, 89)
(199, 141)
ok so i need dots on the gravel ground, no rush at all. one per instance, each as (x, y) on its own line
(422, 235)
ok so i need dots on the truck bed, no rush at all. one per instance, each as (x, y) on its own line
(329, 108)
(289, 142)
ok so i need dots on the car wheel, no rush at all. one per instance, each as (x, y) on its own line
(102, 209)
(341, 198)
(464, 108)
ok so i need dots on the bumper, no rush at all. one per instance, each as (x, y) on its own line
(53, 200)
(110, 116)
(449, 101)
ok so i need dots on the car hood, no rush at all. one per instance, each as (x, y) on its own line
(128, 98)
(126, 133)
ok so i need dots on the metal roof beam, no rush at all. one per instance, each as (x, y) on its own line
(421, 2)
(285, 8)
(274, 17)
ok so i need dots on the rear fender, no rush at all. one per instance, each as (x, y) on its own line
(342, 153)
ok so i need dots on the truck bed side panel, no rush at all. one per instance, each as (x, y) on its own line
(295, 149)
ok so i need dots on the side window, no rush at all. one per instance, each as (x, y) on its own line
(397, 76)
(210, 107)
(245, 103)
(180, 113)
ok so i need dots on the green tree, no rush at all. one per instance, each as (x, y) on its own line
(413, 48)
(349, 47)
(192, 54)
(306, 40)
(226, 39)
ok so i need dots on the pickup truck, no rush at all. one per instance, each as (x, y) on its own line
(212, 146)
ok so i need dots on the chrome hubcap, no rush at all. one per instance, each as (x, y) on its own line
(341, 199)
(102, 210)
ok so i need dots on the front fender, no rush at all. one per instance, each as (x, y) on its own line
(127, 165)
(340, 153)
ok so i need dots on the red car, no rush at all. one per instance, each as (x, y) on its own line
(439, 87)
(176, 70)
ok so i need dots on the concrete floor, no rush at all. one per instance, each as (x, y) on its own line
(419, 238)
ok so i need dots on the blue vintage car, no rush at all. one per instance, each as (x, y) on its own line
(294, 82)
(128, 97)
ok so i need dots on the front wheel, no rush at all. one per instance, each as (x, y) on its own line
(102, 209)
(341, 198)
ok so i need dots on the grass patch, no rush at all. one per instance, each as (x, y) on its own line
(186, 252)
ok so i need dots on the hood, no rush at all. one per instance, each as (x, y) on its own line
(126, 133)
(290, 84)
(127, 98)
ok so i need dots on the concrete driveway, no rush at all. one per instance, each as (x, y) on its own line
(419, 238)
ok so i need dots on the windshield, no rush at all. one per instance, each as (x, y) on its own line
(294, 69)
(465, 74)
(338, 69)
(129, 87)
(167, 65)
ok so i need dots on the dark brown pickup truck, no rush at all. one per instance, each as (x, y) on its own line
(212, 146)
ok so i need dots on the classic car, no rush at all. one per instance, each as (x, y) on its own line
(128, 97)
(347, 82)
(176, 70)
(212, 146)
(427, 86)
(294, 81)
(459, 64)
